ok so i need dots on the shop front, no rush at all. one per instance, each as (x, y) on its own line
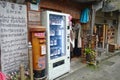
(32, 13)
(70, 40)
(106, 32)
(76, 26)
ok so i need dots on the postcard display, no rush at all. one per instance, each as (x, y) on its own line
(13, 36)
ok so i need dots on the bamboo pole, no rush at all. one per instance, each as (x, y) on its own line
(22, 76)
(103, 45)
(30, 60)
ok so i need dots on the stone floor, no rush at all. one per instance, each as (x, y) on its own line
(75, 65)
(106, 70)
(80, 71)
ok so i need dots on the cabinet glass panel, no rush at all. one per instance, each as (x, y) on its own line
(57, 36)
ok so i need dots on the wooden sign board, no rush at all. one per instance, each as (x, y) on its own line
(33, 16)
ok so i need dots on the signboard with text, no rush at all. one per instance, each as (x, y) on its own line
(13, 36)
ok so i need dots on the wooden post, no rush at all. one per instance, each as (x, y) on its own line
(103, 45)
(92, 20)
(22, 76)
(92, 25)
(30, 60)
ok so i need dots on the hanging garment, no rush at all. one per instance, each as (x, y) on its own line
(79, 42)
(79, 38)
(85, 15)
(76, 29)
(77, 49)
(72, 40)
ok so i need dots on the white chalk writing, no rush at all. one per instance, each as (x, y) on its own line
(13, 36)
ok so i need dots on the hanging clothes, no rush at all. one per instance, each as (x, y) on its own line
(76, 29)
(79, 38)
(85, 15)
(77, 49)
(72, 39)
(72, 42)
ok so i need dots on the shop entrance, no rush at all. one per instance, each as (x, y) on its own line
(101, 32)
(75, 39)
(105, 37)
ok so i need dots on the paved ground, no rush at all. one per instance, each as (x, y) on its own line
(107, 70)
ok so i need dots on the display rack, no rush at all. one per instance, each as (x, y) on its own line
(111, 35)
(111, 39)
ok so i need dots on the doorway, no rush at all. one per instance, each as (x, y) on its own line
(75, 39)
(101, 33)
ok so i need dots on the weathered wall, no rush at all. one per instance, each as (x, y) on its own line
(109, 17)
(64, 6)
(118, 34)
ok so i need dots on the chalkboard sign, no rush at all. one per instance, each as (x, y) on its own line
(13, 36)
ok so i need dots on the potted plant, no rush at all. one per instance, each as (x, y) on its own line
(90, 55)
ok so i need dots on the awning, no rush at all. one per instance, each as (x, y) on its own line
(111, 5)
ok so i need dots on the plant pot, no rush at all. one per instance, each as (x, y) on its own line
(88, 57)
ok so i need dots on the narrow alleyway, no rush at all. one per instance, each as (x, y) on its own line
(107, 70)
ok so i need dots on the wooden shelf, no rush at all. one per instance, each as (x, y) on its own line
(111, 35)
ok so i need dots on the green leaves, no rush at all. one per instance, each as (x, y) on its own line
(88, 50)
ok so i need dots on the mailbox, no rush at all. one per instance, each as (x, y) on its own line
(38, 40)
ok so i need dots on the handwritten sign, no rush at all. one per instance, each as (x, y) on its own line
(13, 36)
